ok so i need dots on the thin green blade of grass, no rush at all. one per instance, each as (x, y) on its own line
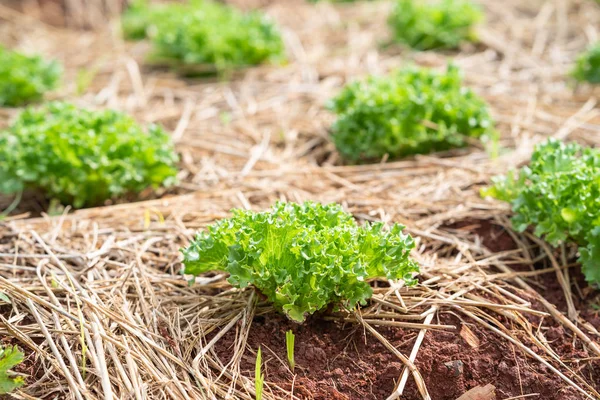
(259, 377)
(289, 344)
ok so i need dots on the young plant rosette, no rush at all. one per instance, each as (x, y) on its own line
(203, 35)
(412, 111)
(83, 157)
(559, 195)
(303, 257)
(438, 24)
(25, 78)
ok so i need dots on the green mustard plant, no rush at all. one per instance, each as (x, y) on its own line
(204, 33)
(10, 356)
(83, 157)
(412, 111)
(24, 78)
(587, 67)
(302, 257)
(559, 195)
(290, 339)
(439, 24)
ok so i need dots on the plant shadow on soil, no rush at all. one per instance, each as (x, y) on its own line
(340, 361)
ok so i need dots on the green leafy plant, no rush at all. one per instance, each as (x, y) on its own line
(83, 157)
(138, 17)
(426, 25)
(289, 345)
(25, 79)
(10, 356)
(302, 257)
(413, 111)
(259, 377)
(204, 33)
(587, 67)
(558, 194)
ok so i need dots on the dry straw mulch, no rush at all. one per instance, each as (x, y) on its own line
(101, 287)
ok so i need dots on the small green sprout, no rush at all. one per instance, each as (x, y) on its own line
(10, 356)
(84, 79)
(289, 344)
(259, 377)
(5, 298)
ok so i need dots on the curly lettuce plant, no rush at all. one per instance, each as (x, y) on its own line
(83, 157)
(204, 33)
(25, 79)
(442, 24)
(559, 195)
(587, 67)
(412, 111)
(302, 257)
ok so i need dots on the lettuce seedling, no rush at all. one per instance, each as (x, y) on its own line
(587, 67)
(443, 24)
(25, 79)
(290, 339)
(10, 356)
(302, 257)
(559, 195)
(204, 33)
(83, 157)
(412, 111)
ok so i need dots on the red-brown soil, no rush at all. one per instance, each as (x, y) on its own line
(341, 362)
(586, 298)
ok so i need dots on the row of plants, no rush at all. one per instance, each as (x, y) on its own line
(93, 156)
(411, 111)
(215, 37)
